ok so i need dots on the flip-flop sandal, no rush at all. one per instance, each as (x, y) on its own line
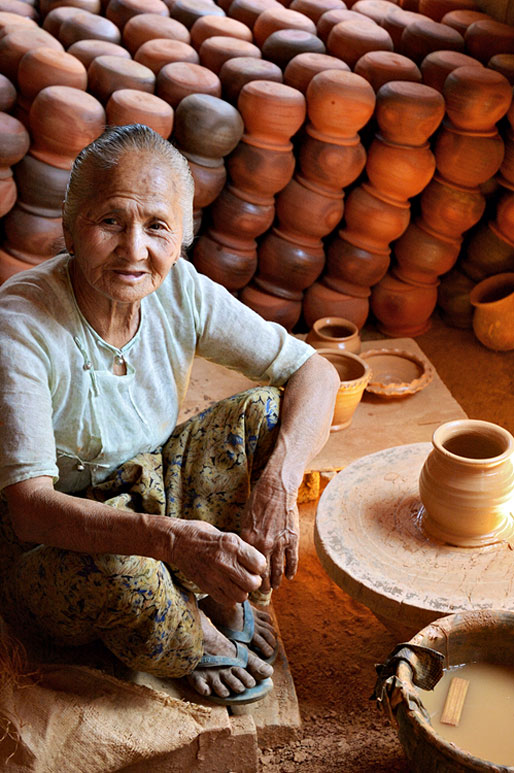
(245, 635)
(251, 694)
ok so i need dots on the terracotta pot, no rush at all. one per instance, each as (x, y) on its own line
(450, 209)
(47, 6)
(408, 113)
(215, 51)
(487, 254)
(376, 10)
(207, 126)
(436, 67)
(260, 172)
(237, 220)
(57, 16)
(62, 122)
(504, 220)
(476, 98)
(31, 238)
(467, 159)
(421, 256)
(19, 7)
(41, 187)
(395, 21)
(7, 94)
(15, 44)
(8, 19)
(355, 374)
(466, 483)
(321, 301)
(236, 72)
(305, 213)
(334, 333)
(8, 194)
(371, 222)
(486, 38)
(453, 299)
(247, 11)
(282, 46)
(120, 11)
(338, 104)
(350, 266)
(43, 67)
(88, 50)
(272, 112)
(281, 310)
(127, 106)
(14, 140)
(403, 309)
(506, 175)
(349, 40)
(286, 268)
(461, 20)
(209, 182)
(493, 318)
(278, 18)
(436, 9)
(379, 67)
(303, 67)
(188, 11)
(181, 79)
(230, 266)
(83, 26)
(211, 26)
(329, 19)
(399, 172)
(422, 37)
(147, 26)
(504, 64)
(329, 166)
(154, 54)
(314, 9)
(107, 74)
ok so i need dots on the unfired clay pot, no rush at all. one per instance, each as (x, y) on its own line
(127, 106)
(329, 19)
(154, 54)
(272, 112)
(436, 9)
(31, 238)
(239, 70)
(476, 98)
(87, 50)
(421, 37)
(15, 44)
(396, 20)
(493, 318)
(461, 20)
(335, 333)
(43, 67)
(279, 18)
(339, 104)
(349, 266)
(315, 8)
(307, 213)
(397, 171)
(210, 26)
(181, 79)
(207, 126)
(349, 40)
(373, 9)
(283, 45)
(329, 165)
(503, 63)
(302, 68)
(247, 11)
(56, 17)
(466, 484)
(421, 255)
(321, 301)
(209, 182)
(233, 267)
(487, 253)
(147, 26)
(188, 11)
(379, 67)
(402, 309)
(215, 51)
(260, 172)
(486, 38)
(120, 11)
(83, 26)
(372, 221)
(354, 373)
(41, 187)
(408, 113)
(107, 74)
(451, 209)
(437, 65)
(282, 310)
(465, 158)
(287, 268)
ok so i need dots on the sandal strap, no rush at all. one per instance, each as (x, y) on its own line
(246, 635)
(225, 661)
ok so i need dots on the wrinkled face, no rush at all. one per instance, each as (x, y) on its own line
(128, 234)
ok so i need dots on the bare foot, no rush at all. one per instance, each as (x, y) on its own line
(224, 680)
(264, 638)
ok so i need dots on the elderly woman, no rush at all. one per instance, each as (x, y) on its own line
(117, 524)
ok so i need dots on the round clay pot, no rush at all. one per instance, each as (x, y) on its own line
(504, 220)
(47, 6)
(321, 301)
(486, 38)
(402, 309)
(397, 171)
(57, 16)
(260, 172)
(314, 9)
(154, 54)
(396, 20)
(43, 67)
(147, 26)
(109, 73)
(9, 19)
(503, 63)
(271, 307)
(476, 98)
(20, 8)
(487, 254)
(466, 483)
(453, 299)
(339, 104)
(334, 333)
(424, 36)
(461, 20)
(31, 238)
(62, 122)
(493, 318)
(181, 79)
(213, 26)
(14, 140)
(207, 126)
(15, 44)
(209, 182)
(233, 267)
(348, 265)
(8, 194)
(436, 9)
(436, 67)
(422, 256)
(272, 112)
(286, 268)
(278, 18)
(467, 159)
(371, 222)
(379, 67)
(247, 11)
(506, 175)
(355, 374)
(349, 40)
(7, 94)
(328, 165)
(188, 11)
(127, 106)
(329, 19)
(238, 220)
(302, 68)
(282, 46)
(408, 113)
(236, 72)
(41, 187)
(87, 50)
(450, 209)
(120, 11)
(85, 26)
(307, 214)
(376, 10)
(215, 51)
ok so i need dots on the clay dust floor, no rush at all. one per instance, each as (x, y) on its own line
(332, 643)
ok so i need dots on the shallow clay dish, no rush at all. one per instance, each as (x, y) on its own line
(396, 373)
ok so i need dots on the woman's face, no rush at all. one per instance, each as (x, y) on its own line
(128, 234)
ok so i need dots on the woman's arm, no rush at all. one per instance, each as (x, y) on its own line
(270, 522)
(222, 565)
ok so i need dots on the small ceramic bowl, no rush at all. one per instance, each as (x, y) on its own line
(334, 333)
(354, 373)
(396, 373)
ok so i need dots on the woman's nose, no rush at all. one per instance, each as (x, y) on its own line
(133, 244)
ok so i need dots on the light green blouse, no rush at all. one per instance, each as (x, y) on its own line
(65, 414)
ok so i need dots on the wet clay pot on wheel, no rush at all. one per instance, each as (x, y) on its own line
(493, 318)
(354, 373)
(335, 333)
(466, 484)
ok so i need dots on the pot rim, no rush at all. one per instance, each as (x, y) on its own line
(323, 322)
(487, 284)
(344, 354)
(452, 429)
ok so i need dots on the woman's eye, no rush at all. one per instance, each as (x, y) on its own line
(109, 220)
(157, 226)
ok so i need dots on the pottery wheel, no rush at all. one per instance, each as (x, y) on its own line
(370, 541)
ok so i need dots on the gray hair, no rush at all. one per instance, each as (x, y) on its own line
(106, 151)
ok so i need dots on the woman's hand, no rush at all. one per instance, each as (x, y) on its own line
(220, 563)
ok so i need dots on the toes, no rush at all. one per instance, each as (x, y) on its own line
(264, 646)
(199, 683)
(258, 668)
